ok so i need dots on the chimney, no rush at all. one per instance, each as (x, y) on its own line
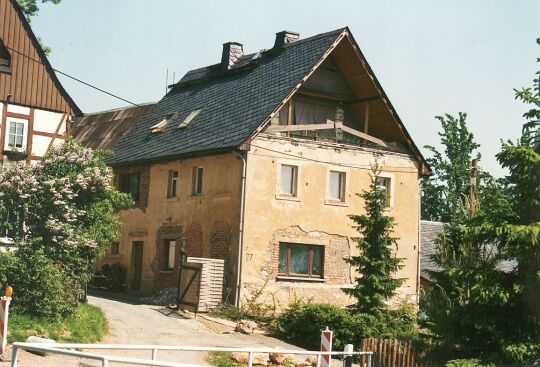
(285, 37)
(231, 53)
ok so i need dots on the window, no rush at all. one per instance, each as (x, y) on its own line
(197, 181)
(336, 186)
(16, 134)
(169, 249)
(384, 183)
(189, 118)
(173, 181)
(115, 248)
(288, 180)
(301, 260)
(157, 128)
(129, 183)
(5, 59)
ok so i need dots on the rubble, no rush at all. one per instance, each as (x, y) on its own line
(246, 327)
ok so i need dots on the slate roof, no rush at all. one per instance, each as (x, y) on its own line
(429, 231)
(233, 104)
(103, 130)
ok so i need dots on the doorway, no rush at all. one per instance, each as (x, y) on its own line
(136, 264)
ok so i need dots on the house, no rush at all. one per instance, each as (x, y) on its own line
(34, 107)
(257, 160)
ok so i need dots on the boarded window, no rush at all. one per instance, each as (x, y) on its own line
(169, 250)
(301, 260)
(197, 181)
(288, 180)
(172, 185)
(129, 183)
(336, 186)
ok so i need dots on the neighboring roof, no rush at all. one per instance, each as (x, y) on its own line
(32, 81)
(103, 130)
(236, 103)
(429, 231)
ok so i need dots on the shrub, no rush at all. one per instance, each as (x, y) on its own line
(468, 363)
(301, 324)
(40, 287)
(115, 277)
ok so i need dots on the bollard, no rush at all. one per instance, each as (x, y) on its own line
(4, 313)
(348, 358)
(326, 346)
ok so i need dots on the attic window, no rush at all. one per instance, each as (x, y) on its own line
(5, 59)
(161, 125)
(189, 118)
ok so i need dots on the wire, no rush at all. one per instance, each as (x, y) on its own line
(369, 168)
(71, 77)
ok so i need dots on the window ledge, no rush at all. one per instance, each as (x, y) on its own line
(166, 272)
(300, 279)
(336, 203)
(287, 197)
(174, 198)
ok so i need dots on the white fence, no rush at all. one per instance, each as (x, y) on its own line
(74, 350)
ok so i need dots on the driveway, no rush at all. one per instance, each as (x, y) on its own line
(143, 324)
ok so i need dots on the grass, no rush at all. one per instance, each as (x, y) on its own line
(88, 325)
(222, 359)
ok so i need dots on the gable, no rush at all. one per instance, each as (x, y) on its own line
(29, 80)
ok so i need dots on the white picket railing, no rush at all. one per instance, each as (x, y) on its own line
(74, 350)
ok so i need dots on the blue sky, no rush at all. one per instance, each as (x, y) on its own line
(431, 57)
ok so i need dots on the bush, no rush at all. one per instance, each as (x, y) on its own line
(112, 277)
(468, 363)
(301, 324)
(40, 289)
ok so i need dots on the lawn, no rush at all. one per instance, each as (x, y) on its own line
(88, 325)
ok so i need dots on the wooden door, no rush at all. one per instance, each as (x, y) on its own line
(136, 264)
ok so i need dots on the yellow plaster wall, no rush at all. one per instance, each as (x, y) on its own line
(315, 220)
(219, 202)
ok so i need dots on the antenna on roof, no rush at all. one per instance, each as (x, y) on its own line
(166, 81)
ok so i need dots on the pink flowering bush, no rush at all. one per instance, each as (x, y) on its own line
(63, 207)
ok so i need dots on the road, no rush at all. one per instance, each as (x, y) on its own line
(142, 324)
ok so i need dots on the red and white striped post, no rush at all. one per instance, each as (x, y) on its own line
(4, 312)
(326, 346)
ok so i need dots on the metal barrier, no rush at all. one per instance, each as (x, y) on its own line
(67, 349)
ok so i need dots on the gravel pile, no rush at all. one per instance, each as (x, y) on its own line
(162, 297)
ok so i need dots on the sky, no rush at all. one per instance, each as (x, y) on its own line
(431, 56)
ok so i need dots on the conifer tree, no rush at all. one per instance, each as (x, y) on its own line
(376, 263)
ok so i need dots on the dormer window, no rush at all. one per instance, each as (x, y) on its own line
(161, 125)
(5, 59)
(189, 118)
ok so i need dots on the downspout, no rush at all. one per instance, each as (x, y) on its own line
(419, 242)
(240, 227)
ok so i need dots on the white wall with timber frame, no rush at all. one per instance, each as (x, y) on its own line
(42, 130)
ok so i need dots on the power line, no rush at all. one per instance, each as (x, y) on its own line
(71, 77)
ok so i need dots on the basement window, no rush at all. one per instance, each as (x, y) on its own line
(299, 260)
(5, 59)
(189, 118)
(169, 250)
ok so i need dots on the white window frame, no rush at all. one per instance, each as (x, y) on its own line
(391, 188)
(25, 134)
(296, 180)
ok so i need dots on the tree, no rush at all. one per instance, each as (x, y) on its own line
(30, 7)
(375, 263)
(442, 193)
(63, 208)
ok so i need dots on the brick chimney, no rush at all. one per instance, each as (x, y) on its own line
(231, 53)
(285, 37)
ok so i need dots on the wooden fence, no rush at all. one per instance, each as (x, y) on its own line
(392, 353)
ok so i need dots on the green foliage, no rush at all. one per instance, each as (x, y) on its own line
(451, 170)
(31, 8)
(111, 277)
(375, 263)
(228, 312)
(301, 324)
(63, 211)
(468, 363)
(222, 359)
(40, 288)
(87, 325)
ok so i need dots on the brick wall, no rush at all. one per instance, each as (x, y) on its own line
(336, 249)
(193, 240)
(220, 240)
(165, 279)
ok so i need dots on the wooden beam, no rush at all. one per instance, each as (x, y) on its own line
(289, 116)
(366, 118)
(367, 99)
(289, 128)
(364, 136)
(30, 134)
(327, 95)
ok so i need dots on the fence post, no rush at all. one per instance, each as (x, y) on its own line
(348, 358)
(4, 313)
(369, 359)
(326, 346)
